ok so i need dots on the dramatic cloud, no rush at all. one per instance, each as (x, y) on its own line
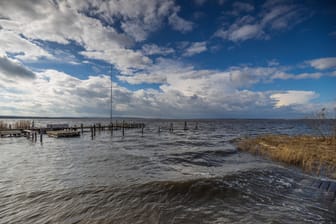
(65, 21)
(54, 57)
(274, 16)
(23, 48)
(11, 69)
(54, 93)
(289, 98)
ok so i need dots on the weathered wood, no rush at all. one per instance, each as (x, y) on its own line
(123, 128)
(185, 126)
(30, 132)
(57, 126)
(63, 133)
(10, 133)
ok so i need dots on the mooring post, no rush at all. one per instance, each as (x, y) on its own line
(41, 134)
(123, 128)
(94, 130)
(196, 126)
(185, 126)
(35, 136)
(82, 128)
(171, 128)
(142, 130)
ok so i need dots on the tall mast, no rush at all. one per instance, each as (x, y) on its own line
(111, 97)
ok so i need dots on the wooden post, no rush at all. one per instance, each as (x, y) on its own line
(94, 130)
(142, 130)
(171, 128)
(196, 126)
(123, 128)
(82, 128)
(185, 126)
(41, 134)
(91, 130)
(159, 130)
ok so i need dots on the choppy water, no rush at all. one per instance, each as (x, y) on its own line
(193, 176)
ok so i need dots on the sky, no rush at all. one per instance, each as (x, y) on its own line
(168, 58)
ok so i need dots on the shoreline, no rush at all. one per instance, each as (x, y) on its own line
(313, 154)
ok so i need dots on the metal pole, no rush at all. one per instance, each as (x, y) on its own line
(111, 97)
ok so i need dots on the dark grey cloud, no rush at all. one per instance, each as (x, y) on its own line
(11, 68)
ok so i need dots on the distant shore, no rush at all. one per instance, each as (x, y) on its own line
(313, 154)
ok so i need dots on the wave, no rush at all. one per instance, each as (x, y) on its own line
(206, 158)
(262, 195)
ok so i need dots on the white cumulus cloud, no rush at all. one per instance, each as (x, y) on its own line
(293, 97)
(323, 63)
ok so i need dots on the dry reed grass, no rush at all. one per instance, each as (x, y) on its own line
(21, 124)
(3, 125)
(313, 154)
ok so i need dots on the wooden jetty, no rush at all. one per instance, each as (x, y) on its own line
(11, 133)
(65, 130)
(63, 133)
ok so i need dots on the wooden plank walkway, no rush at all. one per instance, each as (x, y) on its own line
(63, 133)
(11, 133)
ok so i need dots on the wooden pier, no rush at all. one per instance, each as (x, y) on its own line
(63, 133)
(64, 130)
(11, 133)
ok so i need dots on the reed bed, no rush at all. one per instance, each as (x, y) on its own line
(3, 125)
(21, 124)
(313, 154)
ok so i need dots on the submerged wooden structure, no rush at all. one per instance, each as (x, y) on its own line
(63, 133)
(11, 133)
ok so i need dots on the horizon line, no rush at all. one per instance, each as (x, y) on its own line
(153, 118)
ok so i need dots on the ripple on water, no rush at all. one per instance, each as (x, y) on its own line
(193, 176)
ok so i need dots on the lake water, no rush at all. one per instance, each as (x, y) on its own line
(192, 176)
